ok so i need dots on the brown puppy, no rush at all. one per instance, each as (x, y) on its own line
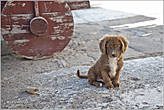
(109, 65)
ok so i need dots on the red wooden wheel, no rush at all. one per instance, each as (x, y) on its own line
(36, 37)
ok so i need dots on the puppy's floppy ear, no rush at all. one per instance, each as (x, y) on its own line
(102, 43)
(124, 43)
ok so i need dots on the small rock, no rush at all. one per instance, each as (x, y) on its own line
(140, 86)
(158, 90)
(107, 99)
(144, 103)
(159, 107)
(32, 90)
(61, 63)
(137, 105)
(135, 79)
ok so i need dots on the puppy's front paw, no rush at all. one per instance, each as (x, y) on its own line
(116, 84)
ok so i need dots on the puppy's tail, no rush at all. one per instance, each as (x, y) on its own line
(81, 76)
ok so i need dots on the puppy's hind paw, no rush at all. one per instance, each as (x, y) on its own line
(97, 84)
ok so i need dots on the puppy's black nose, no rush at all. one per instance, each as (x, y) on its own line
(113, 55)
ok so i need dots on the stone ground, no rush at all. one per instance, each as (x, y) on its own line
(141, 88)
(141, 78)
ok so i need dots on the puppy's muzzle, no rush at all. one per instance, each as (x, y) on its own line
(113, 54)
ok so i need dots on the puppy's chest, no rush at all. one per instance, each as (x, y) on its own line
(113, 66)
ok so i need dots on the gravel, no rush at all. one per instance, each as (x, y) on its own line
(141, 88)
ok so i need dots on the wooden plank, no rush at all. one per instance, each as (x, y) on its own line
(78, 4)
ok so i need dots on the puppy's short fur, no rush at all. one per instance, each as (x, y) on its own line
(109, 65)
